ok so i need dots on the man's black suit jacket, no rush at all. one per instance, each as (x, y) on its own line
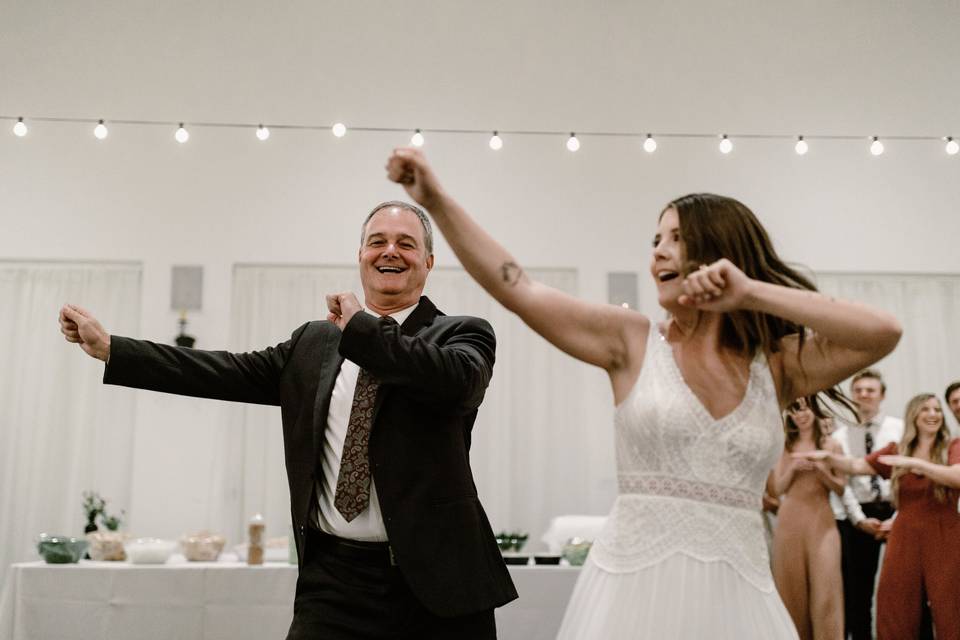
(434, 370)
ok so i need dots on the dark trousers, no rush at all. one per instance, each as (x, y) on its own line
(860, 554)
(350, 591)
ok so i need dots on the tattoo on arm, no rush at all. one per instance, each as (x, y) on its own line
(511, 273)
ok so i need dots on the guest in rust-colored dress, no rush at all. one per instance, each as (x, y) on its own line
(922, 560)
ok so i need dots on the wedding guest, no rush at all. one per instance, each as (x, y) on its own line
(861, 544)
(922, 561)
(806, 543)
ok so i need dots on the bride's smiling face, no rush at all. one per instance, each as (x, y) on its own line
(666, 263)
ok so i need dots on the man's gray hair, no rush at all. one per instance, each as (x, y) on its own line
(424, 220)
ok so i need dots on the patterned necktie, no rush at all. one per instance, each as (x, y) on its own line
(353, 483)
(874, 480)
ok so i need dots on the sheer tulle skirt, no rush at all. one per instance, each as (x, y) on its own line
(678, 598)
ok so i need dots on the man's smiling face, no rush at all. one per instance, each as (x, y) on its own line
(393, 258)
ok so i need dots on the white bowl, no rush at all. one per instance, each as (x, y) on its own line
(149, 550)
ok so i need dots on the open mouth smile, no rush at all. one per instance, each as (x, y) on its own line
(666, 276)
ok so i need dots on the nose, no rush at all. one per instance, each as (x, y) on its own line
(659, 251)
(390, 249)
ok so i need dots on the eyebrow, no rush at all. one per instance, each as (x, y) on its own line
(402, 236)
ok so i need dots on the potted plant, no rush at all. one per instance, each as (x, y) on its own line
(93, 506)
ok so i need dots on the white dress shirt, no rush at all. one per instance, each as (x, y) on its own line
(846, 507)
(369, 524)
(852, 437)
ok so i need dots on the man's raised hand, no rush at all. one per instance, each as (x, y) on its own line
(342, 307)
(79, 326)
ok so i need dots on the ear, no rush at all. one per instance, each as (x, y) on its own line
(430, 262)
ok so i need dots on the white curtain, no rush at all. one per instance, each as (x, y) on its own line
(532, 442)
(61, 431)
(928, 306)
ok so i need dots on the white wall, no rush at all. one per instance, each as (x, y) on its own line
(858, 67)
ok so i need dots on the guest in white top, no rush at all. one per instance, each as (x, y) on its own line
(861, 544)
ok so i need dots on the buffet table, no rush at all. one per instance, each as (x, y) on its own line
(213, 600)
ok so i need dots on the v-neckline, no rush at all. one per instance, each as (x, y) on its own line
(696, 401)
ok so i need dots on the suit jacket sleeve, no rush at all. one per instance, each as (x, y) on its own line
(240, 377)
(454, 370)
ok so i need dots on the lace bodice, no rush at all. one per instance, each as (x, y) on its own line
(690, 483)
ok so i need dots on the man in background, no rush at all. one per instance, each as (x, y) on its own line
(861, 544)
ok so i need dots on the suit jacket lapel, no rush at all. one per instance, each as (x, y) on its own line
(330, 361)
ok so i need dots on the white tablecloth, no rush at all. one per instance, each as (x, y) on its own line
(212, 600)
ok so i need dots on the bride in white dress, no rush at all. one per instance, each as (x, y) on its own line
(698, 408)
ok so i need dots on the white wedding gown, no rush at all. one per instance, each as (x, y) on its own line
(683, 554)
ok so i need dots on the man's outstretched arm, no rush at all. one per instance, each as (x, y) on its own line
(240, 377)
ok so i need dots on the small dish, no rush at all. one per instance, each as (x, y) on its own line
(516, 559)
(547, 559)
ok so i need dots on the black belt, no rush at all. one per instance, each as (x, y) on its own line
(367, 552)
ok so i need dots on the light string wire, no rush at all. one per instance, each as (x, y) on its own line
(471, 131)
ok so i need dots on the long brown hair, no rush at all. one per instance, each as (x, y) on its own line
(714, 227)
(911, 438)
(792, 432)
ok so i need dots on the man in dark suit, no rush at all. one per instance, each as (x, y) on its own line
(378, 403)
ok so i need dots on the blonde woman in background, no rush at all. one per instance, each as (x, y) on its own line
(922, 560)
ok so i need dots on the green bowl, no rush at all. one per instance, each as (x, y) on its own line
(61, 549)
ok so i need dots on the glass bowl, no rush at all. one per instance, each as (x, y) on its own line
(61, 549)
(576, 550)
(149, 550)
(106, 545)
(203, 546)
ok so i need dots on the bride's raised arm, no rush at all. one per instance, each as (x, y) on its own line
(607, 336)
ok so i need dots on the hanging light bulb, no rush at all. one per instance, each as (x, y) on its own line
(572, 143)
(649, 145)
(496, 142)
(20, 129)
(876, 147)
(417, 139)
(801, 147)
(726, 146)
(182, 135)
(952, 147)
(100, 131)
(339, 129)
(262, 133)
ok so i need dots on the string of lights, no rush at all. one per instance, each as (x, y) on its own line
(725, 141)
